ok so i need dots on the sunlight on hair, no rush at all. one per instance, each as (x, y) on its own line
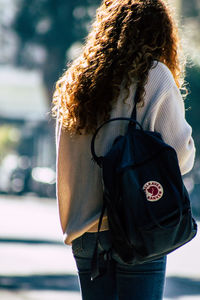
(120, 46)
(74, 51)
(191, 40)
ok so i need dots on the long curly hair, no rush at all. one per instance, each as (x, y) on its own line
(127, 36)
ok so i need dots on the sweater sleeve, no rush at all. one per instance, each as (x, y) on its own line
(168, 118)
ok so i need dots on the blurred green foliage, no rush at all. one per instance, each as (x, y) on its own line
(190, 8)
(192, 103)
(9, 138)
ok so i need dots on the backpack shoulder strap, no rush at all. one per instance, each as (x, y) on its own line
(134, 111)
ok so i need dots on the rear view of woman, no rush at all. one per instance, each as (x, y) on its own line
(132, 44)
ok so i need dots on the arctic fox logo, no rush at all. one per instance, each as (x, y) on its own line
(153, 190)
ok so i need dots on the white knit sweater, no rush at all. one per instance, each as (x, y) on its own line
(79, 187)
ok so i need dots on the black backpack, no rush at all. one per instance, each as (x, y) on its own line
(146, 202)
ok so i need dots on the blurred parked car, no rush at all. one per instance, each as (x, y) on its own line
(18, 177)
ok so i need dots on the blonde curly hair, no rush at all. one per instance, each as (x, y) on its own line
(127, 36)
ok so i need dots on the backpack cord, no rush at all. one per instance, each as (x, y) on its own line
(134, 112)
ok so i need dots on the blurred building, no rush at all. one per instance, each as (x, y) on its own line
(27, 147)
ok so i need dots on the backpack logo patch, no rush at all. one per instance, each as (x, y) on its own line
(153, 190)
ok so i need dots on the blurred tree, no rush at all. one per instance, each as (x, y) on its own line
(46, 30)
(9, 139)
(190, 8)
(192, 103)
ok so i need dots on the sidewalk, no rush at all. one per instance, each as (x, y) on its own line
(36, 265)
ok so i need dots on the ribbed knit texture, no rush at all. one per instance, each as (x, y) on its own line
(79, 186)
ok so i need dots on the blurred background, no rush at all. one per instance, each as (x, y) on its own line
(37, 39)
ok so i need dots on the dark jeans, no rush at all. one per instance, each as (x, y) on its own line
(125, 282)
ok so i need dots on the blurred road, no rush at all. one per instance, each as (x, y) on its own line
(36, 265)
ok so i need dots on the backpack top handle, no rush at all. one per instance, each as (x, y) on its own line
(132, 124)
(98, 159)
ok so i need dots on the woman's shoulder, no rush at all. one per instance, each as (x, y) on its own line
(161, 67)
(160, 79)
(160, 74)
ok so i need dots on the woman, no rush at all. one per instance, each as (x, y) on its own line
(131, 43)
